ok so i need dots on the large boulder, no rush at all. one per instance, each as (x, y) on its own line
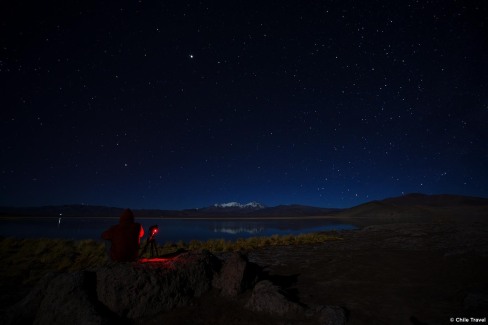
(116, 292)
(71, 298)
(121, 292)
(61, 299)
(149, 289)
(331, 315)
(236, 275)
(24, 312)
(269, 298)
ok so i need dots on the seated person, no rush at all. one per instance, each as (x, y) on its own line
(125, 238)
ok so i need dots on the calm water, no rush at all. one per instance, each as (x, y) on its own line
(169, 230)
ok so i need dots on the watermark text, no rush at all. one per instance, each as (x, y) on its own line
(467, 320)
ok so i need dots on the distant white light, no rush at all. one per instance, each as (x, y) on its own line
(191, 56)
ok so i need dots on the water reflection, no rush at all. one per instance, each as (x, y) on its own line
(170, 229)
(240, 230)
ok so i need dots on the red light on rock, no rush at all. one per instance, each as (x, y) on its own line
(154, 260)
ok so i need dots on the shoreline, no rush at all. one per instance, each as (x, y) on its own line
(383, 274)
(187, 218)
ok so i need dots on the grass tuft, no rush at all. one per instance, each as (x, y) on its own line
(246, 244)
(25, 261)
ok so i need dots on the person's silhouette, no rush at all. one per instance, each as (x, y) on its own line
(125, 238)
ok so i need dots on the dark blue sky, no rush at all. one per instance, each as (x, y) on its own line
(176, 104)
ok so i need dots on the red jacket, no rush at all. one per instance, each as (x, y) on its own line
(125, 238)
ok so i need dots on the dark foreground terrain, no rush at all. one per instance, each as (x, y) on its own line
(393, 274)
(387, 274)
(403, 273)
(415, 260)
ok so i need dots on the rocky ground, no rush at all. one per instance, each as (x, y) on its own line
(392, 274)
(403, 273)
(412, 273)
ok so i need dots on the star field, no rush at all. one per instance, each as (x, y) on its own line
(184, 104)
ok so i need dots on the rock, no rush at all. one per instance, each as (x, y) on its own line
(24, 312)
(71, 298)
(135, 292)
(115, 293)
(331, 315)
(269, 298)
(236, 275)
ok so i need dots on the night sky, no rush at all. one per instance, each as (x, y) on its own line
(183, 104)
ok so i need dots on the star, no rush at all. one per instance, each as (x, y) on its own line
(253, 107)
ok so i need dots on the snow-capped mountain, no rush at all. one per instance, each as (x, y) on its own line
(250, 205)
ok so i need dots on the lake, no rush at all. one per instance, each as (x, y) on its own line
(172, 230)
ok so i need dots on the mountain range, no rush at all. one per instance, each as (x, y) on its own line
(232, 209)
(250, 205)
(412, 205)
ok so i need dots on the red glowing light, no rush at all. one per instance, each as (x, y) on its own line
(154, 260)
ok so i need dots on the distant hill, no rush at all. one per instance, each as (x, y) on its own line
(294, 210)
(381, 209)
(440, 200)
(256, 210)
(420, 207)
(250, 205)
(226, 209)
(74, 210)
(223, 210)
(407, 207)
